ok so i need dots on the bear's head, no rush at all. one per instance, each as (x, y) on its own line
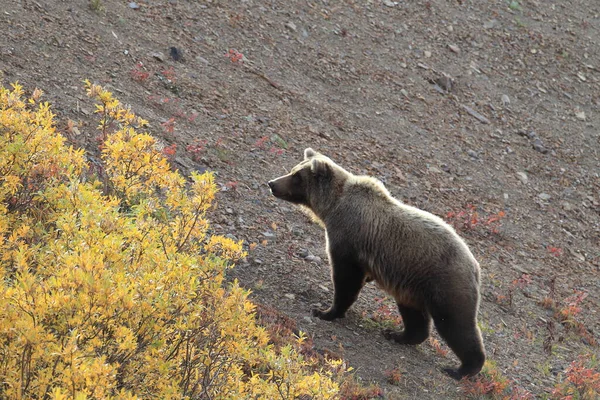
(313, 183)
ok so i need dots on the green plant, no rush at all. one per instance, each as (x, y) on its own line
(515, 6)
(96, 6)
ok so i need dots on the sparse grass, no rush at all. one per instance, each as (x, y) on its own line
(139, 73)
(515, 6)
(490, 382)
(223, 154)
(259, 285)
(96, 6)
(386, 316)
(196, 149)
(470, 220)
(485, 327)
(353, 389)
(519, 22)
(393, 376)
(544, 368)
(547, 303)
(439, 348)
(581, 380)
(568, 314)
(279, 326)
(519, 283)
(279, 141)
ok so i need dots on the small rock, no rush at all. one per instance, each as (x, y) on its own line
(544, 196)
(435, 170)
(159, 56)
(505, 100)
(290, 296)
(312, 258)
(258, 261)
(404, 93)
(538, 145)
(439, 89)
(472, 154)
(176, 54)
(324, 288)
(490, 24)
(580, 115)
(445, 82)
(390, 3)
(566, 206)
(454, 48)
(577, 255)
(268, 234)
(308, 319)
(202, 60)
(231, 236)
(133, 5)
(427, 54)
(481, 118)
(521, 269)
(291, 26)
(303, 253)
(522, 132)
(523, 177)
(229, 210)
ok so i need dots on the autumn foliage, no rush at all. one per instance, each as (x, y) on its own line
(112, 286)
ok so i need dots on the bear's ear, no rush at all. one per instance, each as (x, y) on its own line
(319, 167)
(309, 153)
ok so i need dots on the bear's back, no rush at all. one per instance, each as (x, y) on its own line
(392, 238)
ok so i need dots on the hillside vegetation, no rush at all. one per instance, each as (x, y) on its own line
(112, 286)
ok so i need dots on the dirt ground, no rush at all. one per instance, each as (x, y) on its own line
(483, 112)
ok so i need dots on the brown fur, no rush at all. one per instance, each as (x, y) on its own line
(413, 255)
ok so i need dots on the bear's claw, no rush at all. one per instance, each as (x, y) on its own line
(401, 337)
(459, 374)
(324, 315)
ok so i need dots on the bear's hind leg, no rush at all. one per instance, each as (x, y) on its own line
(464, 338)
(417, 326)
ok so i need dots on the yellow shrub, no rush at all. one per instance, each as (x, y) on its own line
(120, 293)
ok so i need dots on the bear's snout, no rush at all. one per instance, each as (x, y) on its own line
(273, 186)
(280, 188)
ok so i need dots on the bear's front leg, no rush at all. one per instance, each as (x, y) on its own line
(348, 280)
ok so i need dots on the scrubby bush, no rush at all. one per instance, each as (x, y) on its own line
(111, 285)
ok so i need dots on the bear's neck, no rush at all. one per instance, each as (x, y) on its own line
(323, 204)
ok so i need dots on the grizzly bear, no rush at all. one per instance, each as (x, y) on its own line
(413, 255)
